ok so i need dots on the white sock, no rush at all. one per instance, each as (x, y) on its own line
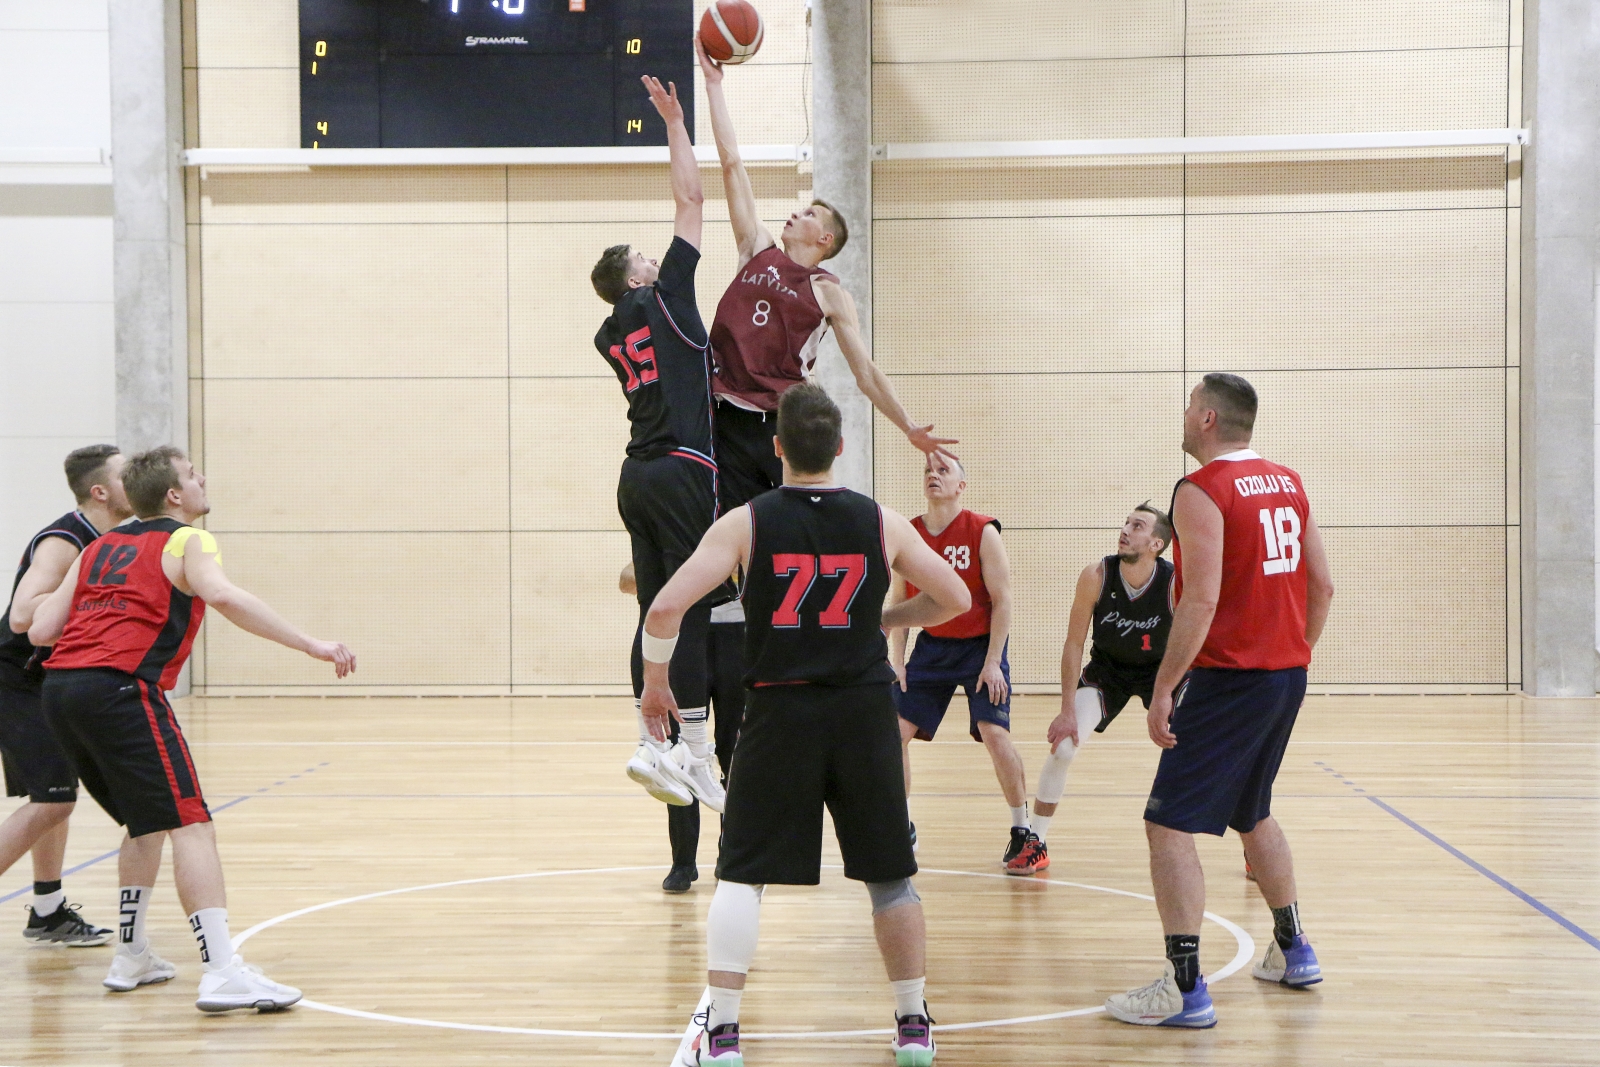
(210, 926)
(48, 903)
(1040, 824)
(134, 901)
(908, 997)
(693, 730)
(724, 1006)
(1019, 816)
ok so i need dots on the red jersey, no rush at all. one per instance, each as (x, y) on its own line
(768, 326)
(958, 543)
(126, 615)
(1261, 608)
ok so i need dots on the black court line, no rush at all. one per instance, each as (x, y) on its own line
(1521, 894)
(113, 853)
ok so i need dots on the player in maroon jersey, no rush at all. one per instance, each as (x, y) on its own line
(969, 651)
(35, 766)
(122, 623)
(1253, 590)
(771, 320)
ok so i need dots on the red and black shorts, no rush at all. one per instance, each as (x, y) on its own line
(121, 735)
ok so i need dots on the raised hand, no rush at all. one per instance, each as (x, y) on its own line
(665, 100)
(711, 68)
(922, 437)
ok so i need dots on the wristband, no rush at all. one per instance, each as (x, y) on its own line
(656, 649)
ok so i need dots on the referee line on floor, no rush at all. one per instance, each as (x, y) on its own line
(1521, 894)
(214, 811)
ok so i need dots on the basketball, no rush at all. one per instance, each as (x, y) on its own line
(731, 31)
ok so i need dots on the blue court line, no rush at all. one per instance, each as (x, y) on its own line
(1527, 898)
(114, 852)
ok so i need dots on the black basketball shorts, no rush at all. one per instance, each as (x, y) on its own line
(803, 748)
(121, 735)
(1232, 728)
(1116, 686)
(35, 765)
(748, 466)
(667, 505)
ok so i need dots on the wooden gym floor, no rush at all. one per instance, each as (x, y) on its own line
(1447, 857)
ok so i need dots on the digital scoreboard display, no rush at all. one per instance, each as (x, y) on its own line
(490, 73)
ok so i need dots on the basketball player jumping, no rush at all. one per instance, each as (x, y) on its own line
(1253, 590)
(667, 491)
(122, 627)
(771, 320)
(35, 766)
(969, 651)
(819, 724)
(1127, 598)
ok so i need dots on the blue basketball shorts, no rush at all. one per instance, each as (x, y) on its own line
(1232, 728)
(937, 667)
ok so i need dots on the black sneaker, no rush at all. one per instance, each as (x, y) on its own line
(679, 878)
(64, 927)
(1019, 838)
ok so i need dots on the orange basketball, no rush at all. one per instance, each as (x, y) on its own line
(731, 31)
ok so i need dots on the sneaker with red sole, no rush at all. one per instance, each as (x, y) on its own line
(1033, 858)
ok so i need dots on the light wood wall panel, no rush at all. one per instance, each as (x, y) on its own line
(1346, 92)
(916, 31)
(419, 609)
(1389, 447)
(1369, 297)
(408, 196)
(1229, 27)
(571, 625)
(1347, 289)
(641, 193)
(1027, 101)
(1383, 632)
(355, 300)
(1042, 450)
(568, 439)
(248, 107)
(1027, 189)
(1056, 293)
(260, 33)
(1415, 179)
(343, 454)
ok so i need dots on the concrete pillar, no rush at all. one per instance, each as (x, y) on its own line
(148, 223)
(1560, 236)
(841, 100)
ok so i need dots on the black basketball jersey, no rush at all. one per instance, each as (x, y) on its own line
(1131, 631)
(72, 528)
(813, 596)
(657, 346)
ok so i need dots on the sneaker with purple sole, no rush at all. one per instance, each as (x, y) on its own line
(1296, 968)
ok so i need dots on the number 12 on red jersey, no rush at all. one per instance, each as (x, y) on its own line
(1282, 531)
(802, 570)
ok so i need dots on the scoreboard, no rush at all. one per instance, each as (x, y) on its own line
(490, 73)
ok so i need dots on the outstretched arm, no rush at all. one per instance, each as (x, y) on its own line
(203, 574)
(747, 229)
(689, 220)
(840, 308)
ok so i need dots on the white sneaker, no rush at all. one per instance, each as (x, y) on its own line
(653, 768)
(1162, 1003)
(701, 779)
(129, 970)
(241, 985)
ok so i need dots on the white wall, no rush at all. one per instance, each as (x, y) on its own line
(57, 377)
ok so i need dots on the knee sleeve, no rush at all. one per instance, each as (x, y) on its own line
(732, 926)
(890, 895)
(1053, 776)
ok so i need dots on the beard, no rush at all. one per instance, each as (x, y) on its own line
(1128, 557)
